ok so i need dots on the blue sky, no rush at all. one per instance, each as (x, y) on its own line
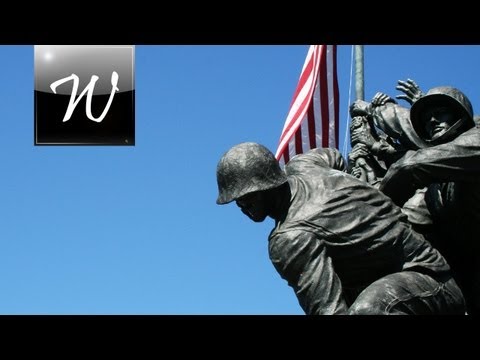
(136, 230)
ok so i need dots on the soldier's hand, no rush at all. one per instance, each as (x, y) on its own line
(358, 122)
(367, 173)
(359, 173)
(359, 150)
(362, 135)
(381, 99)
(411, 90)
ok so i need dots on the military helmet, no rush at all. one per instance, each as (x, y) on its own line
(246, 168)
(441, 95)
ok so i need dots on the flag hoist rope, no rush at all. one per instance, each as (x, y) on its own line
(347, 126)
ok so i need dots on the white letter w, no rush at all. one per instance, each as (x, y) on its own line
(90, 87)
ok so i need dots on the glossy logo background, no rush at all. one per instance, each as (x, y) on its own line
(102, 76)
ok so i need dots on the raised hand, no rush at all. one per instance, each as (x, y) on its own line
(411, 90)
(381, 99)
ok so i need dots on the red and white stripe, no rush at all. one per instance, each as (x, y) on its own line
(313, 117)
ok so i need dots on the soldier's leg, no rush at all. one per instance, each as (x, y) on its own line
(409, 293)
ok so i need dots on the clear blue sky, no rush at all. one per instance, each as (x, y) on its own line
(136, 230)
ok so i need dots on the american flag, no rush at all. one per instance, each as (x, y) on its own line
(313, 117)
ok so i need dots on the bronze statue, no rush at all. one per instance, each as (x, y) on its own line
(342, 245)
(387, 132)
(436, 175)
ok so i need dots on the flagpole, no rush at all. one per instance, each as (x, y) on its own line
(359, 89)
(359, 81)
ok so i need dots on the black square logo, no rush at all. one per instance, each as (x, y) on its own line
(84, 95)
